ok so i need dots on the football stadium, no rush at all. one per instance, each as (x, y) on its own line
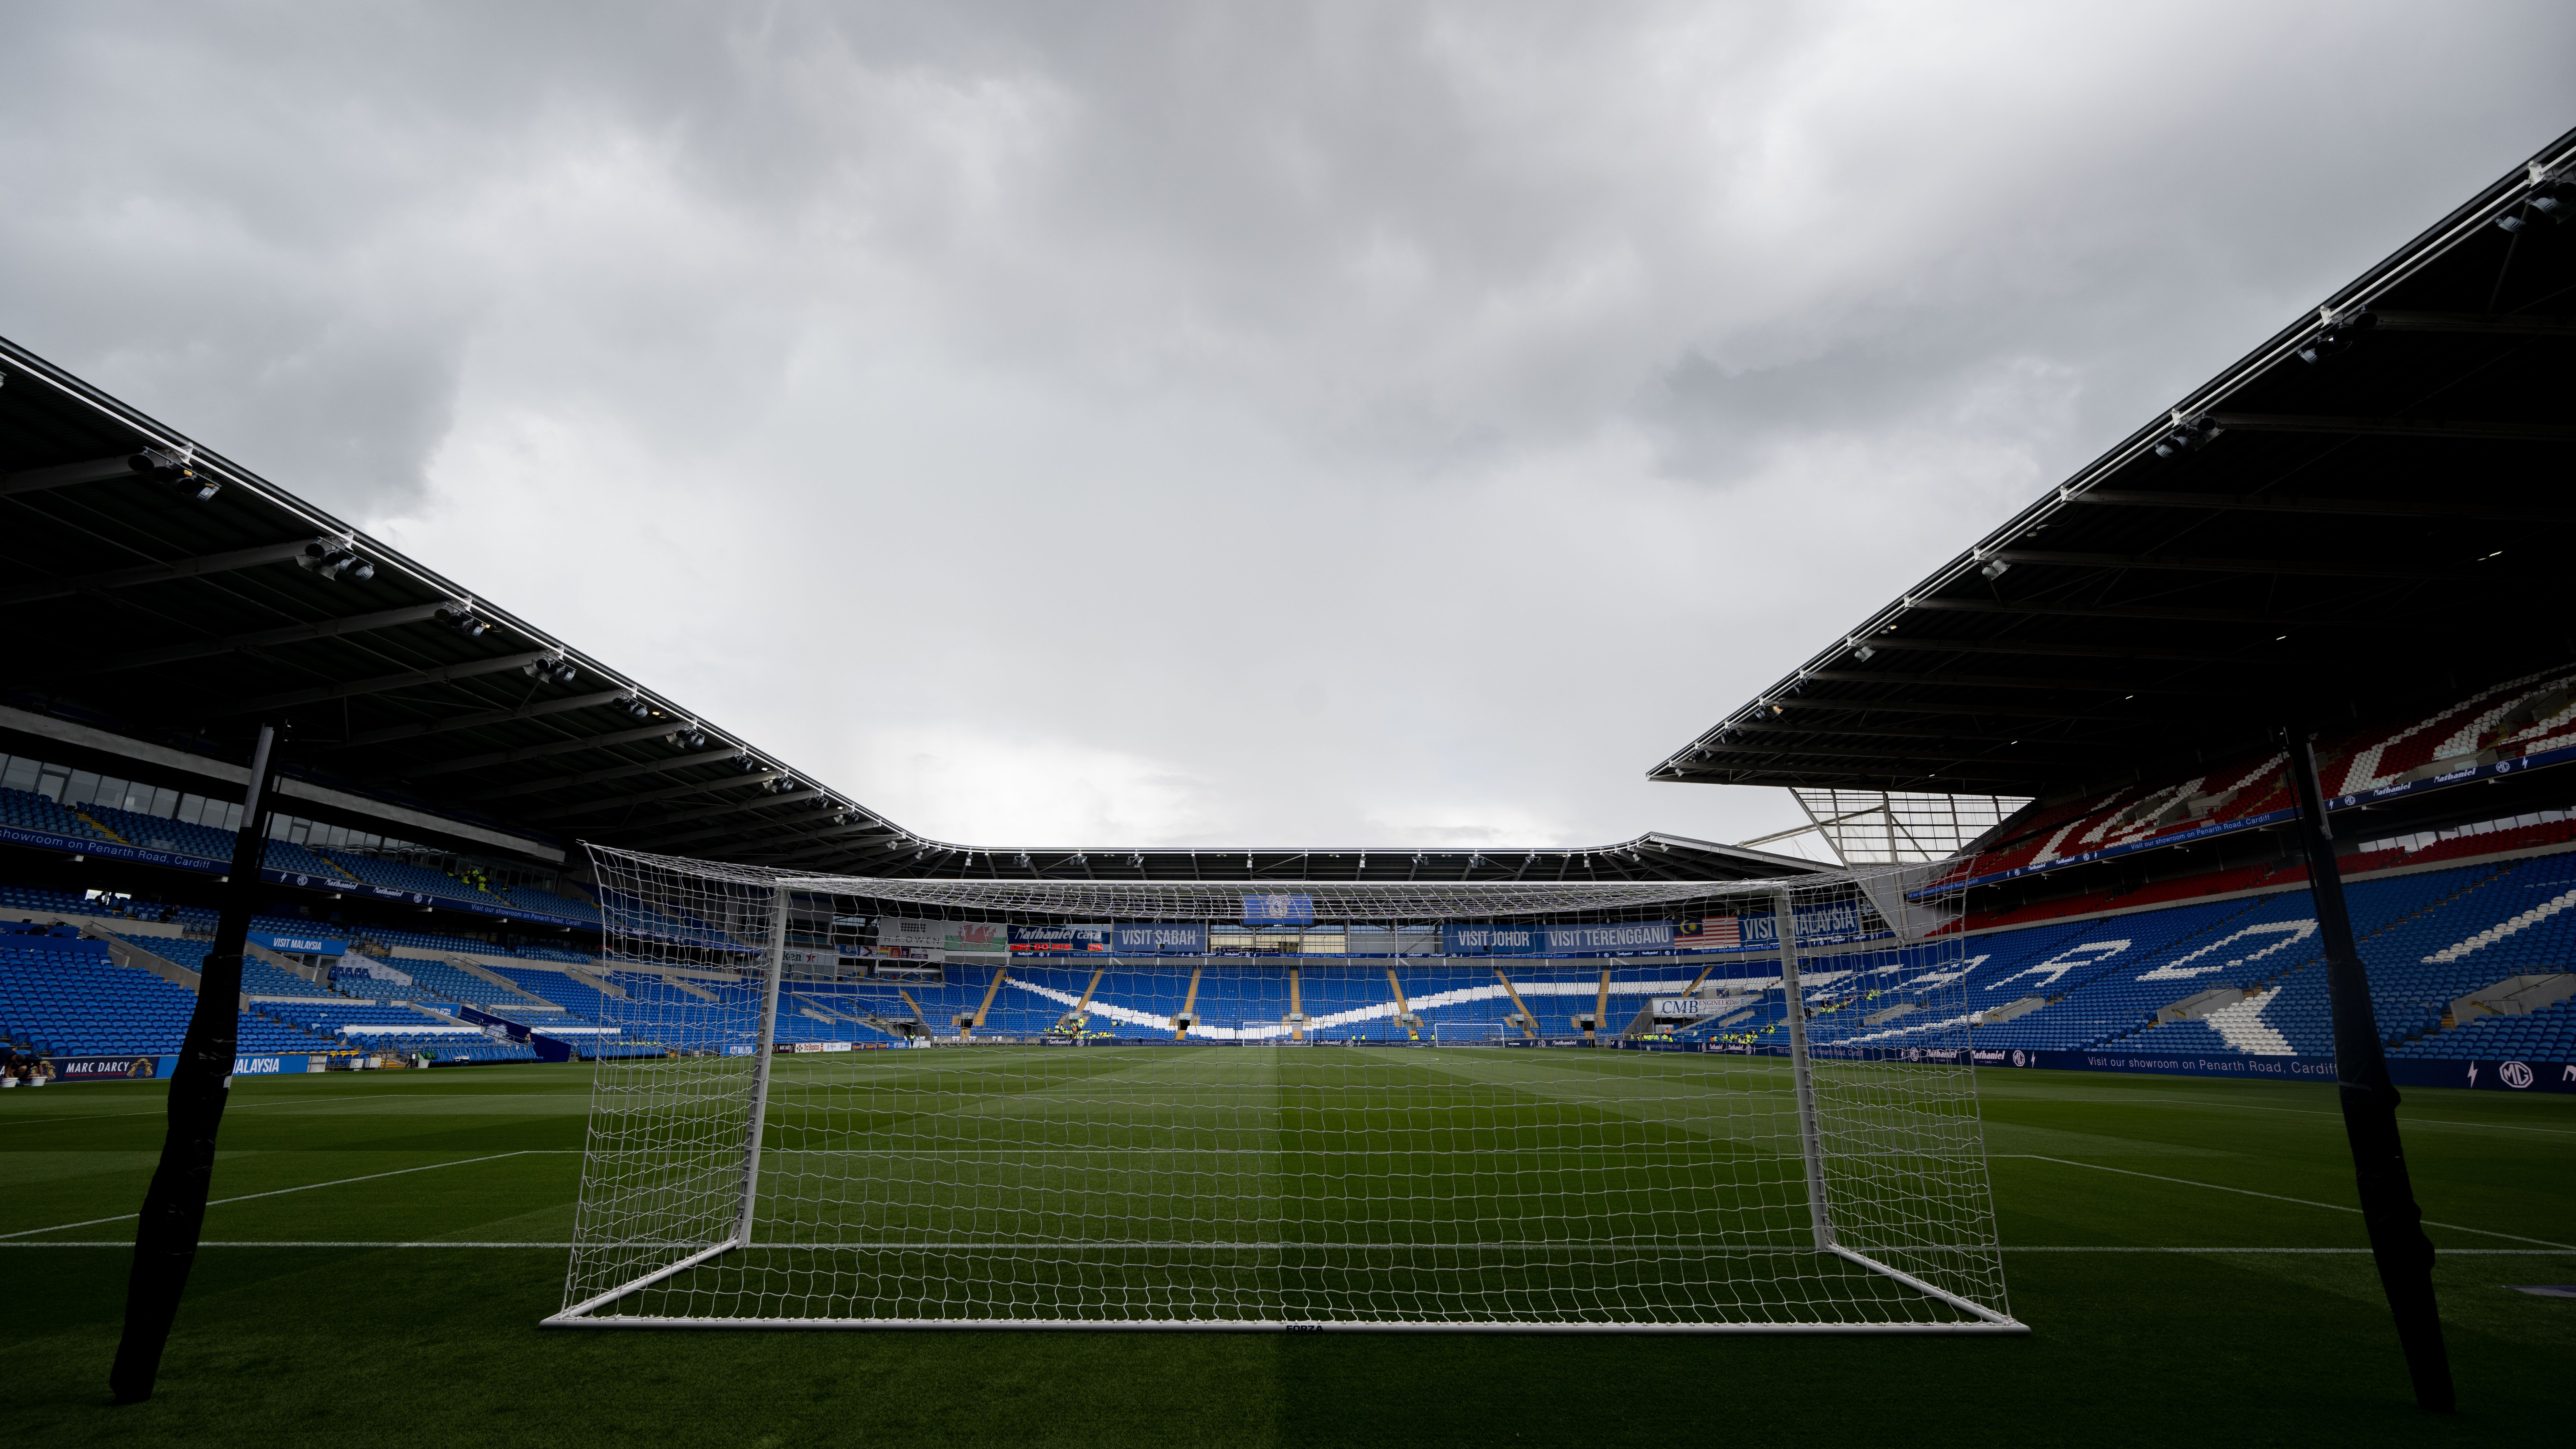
(420, 1027)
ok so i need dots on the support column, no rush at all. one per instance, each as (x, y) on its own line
(1529, 1023)
(174, 1206)
(1810, 1146)
(2396, 1224)
(1189, 1016)
(992, 989)
(760, 1068)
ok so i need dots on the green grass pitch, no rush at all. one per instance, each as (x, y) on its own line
(2184, 1251)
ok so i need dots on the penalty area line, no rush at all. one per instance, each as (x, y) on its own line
(274, 1192)
(2276, 1197)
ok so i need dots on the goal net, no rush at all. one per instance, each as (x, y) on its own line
(1031, 1104)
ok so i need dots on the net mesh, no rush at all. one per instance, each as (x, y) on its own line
(1125, 1106)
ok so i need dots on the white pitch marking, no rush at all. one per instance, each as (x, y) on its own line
(281, 1192)
(2276, 1197)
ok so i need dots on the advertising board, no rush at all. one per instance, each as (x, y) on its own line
(1159, 939)
(99, 1069)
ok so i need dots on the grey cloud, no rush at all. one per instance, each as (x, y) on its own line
(1403, 388)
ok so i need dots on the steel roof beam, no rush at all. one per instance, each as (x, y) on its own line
(813, 849)
(1942, 707)
(2181, 563)
(64, 475)
(2454, 429)
(408, 679)
(739, 827)
(1721, 748)
(2041, 608)
(1883, 642)
(1890, 732)
(1988, 681)
(716, 750)
(186, 568)
(644, 797)
(612, 772)
(486, 717)
(2340, 507)
(1950, 781)
(266, 638)
(2490, 324)
(729, 807)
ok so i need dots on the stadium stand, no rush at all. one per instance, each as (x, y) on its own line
(68, 998)
(30, 811)
(155, 833)
(2223, 961)
(2510, 721)
(2245, 974)
(259, 978)
(547, 903)
(404, 876)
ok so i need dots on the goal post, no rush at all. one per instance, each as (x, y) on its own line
(788, 1161)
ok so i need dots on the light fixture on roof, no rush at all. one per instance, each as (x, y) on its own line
(2185, 435)
(556, 668)
(164, 466)
(1995, 568)
(2336, 333)
(634, 705)
(686, 737)
(2551, 198)
(334, 561)
(460, 617)
(1864, 653)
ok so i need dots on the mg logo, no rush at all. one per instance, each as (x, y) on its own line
(2019, 1060)
(2516, 1075)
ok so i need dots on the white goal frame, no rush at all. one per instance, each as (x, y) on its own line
(591, 1310)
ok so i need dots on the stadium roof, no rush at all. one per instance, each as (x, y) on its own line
(2364, 511)
(160, 614)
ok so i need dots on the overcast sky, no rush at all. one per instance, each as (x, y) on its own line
(1346, 424)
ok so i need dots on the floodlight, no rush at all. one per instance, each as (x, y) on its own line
(2336, 333)
(2550, 201)
(1864, 653)
(2186, 435)
(163, 466)
(1994, 569)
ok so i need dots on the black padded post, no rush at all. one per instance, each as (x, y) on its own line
(174, 1206)
(2396, 1224)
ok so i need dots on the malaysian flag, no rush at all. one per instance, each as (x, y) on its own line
(1710, 933)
